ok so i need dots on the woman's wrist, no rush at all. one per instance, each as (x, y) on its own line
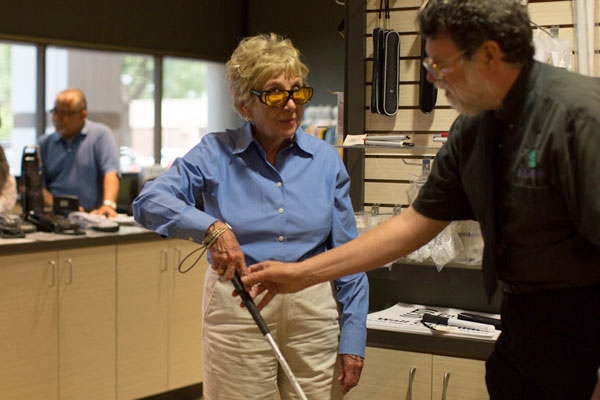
(214, 232)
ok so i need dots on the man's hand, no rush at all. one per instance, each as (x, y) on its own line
(275, 276)
(104, 210)
(350, 369)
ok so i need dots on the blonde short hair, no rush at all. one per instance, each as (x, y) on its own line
(258, 58)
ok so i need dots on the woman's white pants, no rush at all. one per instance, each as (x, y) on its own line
(237, 361)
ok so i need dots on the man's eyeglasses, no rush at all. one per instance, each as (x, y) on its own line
(63, 113)
(439, 69)
(279, 98)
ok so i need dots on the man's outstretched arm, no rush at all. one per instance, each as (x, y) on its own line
(395, 238)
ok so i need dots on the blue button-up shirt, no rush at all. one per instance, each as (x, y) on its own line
(77, 167)
(286, 213)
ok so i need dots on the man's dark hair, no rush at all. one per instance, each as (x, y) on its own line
(471, 22)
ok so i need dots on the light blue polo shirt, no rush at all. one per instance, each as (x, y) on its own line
(78, 167)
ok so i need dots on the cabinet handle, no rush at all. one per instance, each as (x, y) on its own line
(69, 264)
(445, 389)
(52, 264)
(177, 258)
(165, 260)
(411, 377)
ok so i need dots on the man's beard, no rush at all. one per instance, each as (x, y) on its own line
(472, 96)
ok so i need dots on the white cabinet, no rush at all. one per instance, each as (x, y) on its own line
(141, 319)
(87, 323)
(185, 317)
(394, 374)
(57, 324)
(458, 379)
(28, 326)
(159, 322)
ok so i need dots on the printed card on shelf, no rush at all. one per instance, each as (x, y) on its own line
(355, 140)
(403, 317)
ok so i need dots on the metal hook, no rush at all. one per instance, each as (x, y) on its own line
(544, 29)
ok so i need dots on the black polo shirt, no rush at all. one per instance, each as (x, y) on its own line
(530, 174)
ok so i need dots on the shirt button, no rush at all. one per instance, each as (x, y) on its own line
(280, 238)
(280, 210)
(279, 184)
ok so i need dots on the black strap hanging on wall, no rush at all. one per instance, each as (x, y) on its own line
(427, 90)
(386, 69)
(377, 66)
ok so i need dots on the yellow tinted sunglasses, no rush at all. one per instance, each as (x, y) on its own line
(279, 98)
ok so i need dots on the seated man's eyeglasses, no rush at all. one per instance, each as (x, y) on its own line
(279, 98)
(63, 113)
(439, 69)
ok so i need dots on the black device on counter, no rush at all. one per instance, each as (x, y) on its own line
(10, 226)
(129, 188)
(64, 204)
(54, 223)
(30, 186)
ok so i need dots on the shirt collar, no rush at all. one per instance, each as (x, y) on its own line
(513, 104)
(86, 128)
(83, 132)
(245, 138)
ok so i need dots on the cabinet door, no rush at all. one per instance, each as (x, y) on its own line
(393, 374)
(87, 323)
(142, 324)
(185, 316)
(28, 330)
(459, 378)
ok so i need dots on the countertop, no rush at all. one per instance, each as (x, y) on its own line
(439, 345)
(40, 241)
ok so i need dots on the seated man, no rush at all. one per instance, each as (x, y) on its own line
(80, 158)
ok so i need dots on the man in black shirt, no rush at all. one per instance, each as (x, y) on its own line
(522, 160)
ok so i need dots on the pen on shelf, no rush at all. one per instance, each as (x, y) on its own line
(453, 321)
(388, 137)
(468, 316)
(388, 143)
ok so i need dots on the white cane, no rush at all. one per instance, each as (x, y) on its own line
(239, 288)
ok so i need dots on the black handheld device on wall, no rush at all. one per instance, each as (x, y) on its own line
(386, 68)
(391, 76)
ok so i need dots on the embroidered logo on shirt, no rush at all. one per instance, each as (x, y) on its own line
(531, 159)
(530, 175)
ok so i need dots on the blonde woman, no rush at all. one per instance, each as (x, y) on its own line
(284, 196)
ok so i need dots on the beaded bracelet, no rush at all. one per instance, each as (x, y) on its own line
(208, 241)
(214, 235)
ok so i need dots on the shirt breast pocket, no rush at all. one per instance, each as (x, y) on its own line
(535, 214)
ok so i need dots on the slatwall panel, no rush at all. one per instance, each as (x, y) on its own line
(387, 171)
